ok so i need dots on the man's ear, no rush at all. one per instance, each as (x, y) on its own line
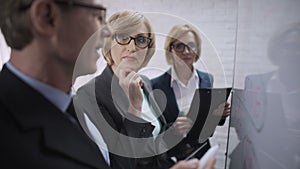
(43, 14)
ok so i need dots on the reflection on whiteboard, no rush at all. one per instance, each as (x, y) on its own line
(272, 145)
(265, 110)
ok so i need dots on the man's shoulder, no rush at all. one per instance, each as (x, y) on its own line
(8, 83)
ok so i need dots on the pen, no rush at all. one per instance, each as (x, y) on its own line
(181, 114)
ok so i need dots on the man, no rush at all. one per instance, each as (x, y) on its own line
(35, 86)
(38, 130)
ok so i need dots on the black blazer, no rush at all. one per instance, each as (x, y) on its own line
(36, 134)
(171, 111)
(106, 105)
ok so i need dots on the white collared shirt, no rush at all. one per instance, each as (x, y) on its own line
(97, 137)
(184, 93)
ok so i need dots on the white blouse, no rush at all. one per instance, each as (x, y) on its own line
(184, 93)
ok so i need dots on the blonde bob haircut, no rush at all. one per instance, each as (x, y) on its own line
(128, 22)
(176, 32)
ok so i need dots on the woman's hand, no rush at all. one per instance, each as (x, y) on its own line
(194, 163)
(130, 82)
(182, 125)
(190, 164)
(227, 109)
(222, 110)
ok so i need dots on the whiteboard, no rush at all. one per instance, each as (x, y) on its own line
(265, 119)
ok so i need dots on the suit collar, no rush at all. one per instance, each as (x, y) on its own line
(110, 94)
(147, 88)
(59, 98)
(106, 76)
(33, 111)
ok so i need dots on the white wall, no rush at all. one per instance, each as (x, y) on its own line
(215, 18)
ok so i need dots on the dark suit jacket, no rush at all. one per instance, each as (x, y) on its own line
(36, 134)
(171, 111)
(106, 105)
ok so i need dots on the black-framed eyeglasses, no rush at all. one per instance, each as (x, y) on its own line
(180, 47)
(140, 41)
(101, 9)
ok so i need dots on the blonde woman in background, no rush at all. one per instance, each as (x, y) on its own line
(182, 50)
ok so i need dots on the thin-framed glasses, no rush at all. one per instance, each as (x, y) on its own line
(180, 47)
(140, 41)
(101, 9)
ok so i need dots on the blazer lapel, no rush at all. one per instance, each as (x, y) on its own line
(146, 89)
(171, 111)
(33, 111)
(76, 145)
(109, 93)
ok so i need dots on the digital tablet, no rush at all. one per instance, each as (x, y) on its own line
(204, 111)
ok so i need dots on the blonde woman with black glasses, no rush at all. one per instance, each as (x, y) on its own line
(182, 50)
